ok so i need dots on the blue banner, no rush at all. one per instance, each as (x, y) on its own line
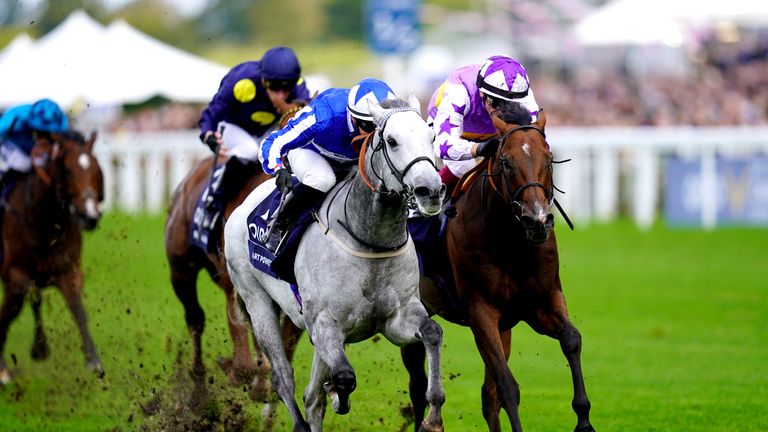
(741, 191)
(392, 26)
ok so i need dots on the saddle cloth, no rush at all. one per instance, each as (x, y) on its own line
(262, 259)
(206, 220)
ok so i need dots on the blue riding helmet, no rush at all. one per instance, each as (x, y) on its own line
(45, 115)
(280, 63)
(366, 92)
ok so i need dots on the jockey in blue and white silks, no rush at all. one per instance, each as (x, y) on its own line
(19, 128)
(317, 143)
(459, 111)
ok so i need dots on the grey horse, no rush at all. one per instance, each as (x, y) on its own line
(356, 269)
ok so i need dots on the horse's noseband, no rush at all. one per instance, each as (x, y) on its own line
(399, 174)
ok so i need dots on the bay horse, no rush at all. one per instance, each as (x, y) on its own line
(356, 269)
(501, 253)
(42, 240)
(186, 261)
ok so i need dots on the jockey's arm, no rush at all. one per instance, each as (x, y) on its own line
(297, 133)
(449, 125)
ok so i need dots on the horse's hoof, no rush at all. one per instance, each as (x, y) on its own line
(5, 376)
(96, 367)
(340, 404)
(587, 428)
(426, 427)
(261, 390)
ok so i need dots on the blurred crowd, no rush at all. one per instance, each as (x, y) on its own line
(728, 86)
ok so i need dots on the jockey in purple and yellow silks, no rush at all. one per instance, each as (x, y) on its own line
(247, 107)
(459, 111)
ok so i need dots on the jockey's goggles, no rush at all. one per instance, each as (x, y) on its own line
(280, 85)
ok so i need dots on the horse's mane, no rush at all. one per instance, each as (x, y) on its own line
(394, 103)
(73, 135)
(513, 113)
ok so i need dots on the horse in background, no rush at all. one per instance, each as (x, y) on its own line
(186, 261)
(356, 269)
(42, 221)
(500, 260)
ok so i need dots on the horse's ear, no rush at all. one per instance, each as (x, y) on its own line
(541, 119)
(413, 101)
(499, 124)
(91, 140)
(376, 111)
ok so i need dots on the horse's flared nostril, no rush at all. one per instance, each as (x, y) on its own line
(422, 191)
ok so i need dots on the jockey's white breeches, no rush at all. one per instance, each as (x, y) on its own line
(242, 144)
(14, 158)
(312, 169)
(460, 167)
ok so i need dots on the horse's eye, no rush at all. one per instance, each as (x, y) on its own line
(392, 142)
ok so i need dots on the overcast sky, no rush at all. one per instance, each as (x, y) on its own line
(188, 7)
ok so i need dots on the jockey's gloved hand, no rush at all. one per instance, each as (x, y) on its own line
(488, 148)
(283, 180)
(211, 142)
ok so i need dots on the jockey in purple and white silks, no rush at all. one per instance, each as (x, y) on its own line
(317, 143)
(459, 111)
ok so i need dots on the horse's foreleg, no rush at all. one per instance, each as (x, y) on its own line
(409, 326)
(184, 281)
(71, 286)
(329, 345)
(40, 349)
(413, 356)
(490, 395)
(315, 401)
(13, 300)
(484, 322)
(265, 320)
(556, 324)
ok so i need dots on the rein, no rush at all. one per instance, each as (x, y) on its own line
(406, 192)
(505, 192)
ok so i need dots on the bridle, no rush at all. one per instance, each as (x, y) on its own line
(504, 163)
(379, 146)
(406, 191)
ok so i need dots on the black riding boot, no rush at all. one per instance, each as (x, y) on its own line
(235, 172)
(301, 198)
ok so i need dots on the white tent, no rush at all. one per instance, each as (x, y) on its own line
(81, 61)
(16, 49)
(663, 22)
(629, 22)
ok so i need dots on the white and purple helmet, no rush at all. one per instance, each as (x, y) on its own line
(503, 77)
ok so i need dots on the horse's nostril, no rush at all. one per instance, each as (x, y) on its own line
(527, 222)
(421, 191)
(550, 220)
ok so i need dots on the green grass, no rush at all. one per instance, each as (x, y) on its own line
(674, 322)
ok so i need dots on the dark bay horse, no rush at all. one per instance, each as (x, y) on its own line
(186, 261)
(501, 252)
(42, 240)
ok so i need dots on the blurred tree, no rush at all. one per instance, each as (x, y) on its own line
(346, 19)
(160, 19)
(11, 12)
(230, 20)
(52, 13)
